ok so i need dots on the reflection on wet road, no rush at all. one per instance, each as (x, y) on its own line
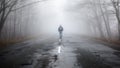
(59, 49)
(66, 57)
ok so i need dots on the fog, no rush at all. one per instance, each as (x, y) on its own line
(84, 17)
(59, 33)
(52, 13)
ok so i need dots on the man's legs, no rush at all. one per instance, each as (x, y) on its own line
(60, 35)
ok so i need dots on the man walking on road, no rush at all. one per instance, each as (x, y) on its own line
(60, 30)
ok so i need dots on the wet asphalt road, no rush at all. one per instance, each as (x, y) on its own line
(74, 52)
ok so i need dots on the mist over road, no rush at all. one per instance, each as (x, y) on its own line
(21, 20)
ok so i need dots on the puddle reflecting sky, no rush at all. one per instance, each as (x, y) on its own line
(59, 49)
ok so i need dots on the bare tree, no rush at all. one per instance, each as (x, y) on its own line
(116, 6)
(97, 16)
(105, 16)
(5, 9)
(101, 15)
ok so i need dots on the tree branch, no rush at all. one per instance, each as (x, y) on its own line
(26, 5)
